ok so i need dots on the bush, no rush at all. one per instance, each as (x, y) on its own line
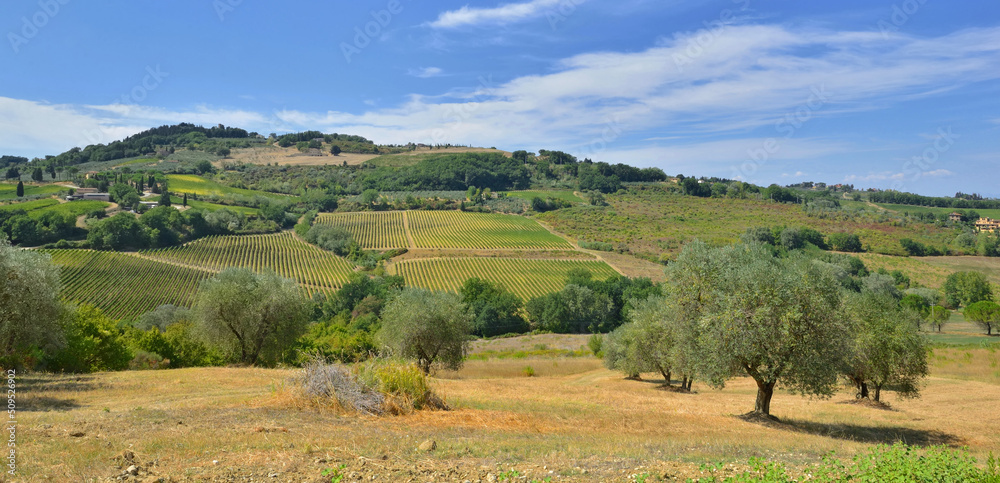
(403, 385)
(93, 343)
(599, 246)
(335, 239)
(845, 242)
(376, 387)
(148, 360)
(596, 344)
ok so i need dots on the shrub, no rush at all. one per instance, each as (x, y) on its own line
(596, 344)
(148, 360)
(404, 385)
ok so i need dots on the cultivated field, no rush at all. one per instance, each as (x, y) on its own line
(573, 421)
(310, 266)
(189, 183)
(8, 191)
(526, 278)
(446, 230)
(484, 231)
(373, 230)
(123, 285)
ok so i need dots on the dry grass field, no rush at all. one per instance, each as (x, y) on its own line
(292, 157)
(571, 421)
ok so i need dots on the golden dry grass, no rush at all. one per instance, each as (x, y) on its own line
(292, 157)
(572, 416)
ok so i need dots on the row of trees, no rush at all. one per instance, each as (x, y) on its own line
(786, 321)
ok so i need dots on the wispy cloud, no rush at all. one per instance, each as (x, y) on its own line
(426, 72)
(751, 76)
(503, 14)
(874, 177)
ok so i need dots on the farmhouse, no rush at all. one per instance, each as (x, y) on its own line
(988, 224)
(81, 191)
(955, 216)
(97, 196)
(149, 204)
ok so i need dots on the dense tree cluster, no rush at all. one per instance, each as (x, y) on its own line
(455, 172)
(960, 200)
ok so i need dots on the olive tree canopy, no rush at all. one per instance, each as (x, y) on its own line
(427, 326)
(29, 302)
(251, 317)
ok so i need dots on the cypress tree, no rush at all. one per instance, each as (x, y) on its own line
(20, 189)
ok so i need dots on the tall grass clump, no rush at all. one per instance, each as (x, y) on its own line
(403, 385)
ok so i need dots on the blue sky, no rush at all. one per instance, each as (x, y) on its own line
(887, 94)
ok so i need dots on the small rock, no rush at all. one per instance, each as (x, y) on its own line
(429, 445)
(78, 434)
(490, 477)
(215, 462)
(132, 470)
(272, 475)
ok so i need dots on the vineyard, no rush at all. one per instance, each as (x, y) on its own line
(123, 285)
(286, 255)
(489, 231)
(383, 230)
(373, 230)
(526, 278)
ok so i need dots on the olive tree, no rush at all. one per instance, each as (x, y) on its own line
(776, 320)
(431, 327)
(885, 348)
(656, 338)
(29, 302)
(250, 317)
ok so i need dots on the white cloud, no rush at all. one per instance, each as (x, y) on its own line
(746, 77)
(882, 176)
(939, 173)
(506, 13)
(426, 72)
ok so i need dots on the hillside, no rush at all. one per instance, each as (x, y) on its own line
(653, 220)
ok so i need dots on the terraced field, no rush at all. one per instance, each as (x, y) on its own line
(124, 285)
(487, 231)
(310, 266)
(373, 230)
(526, 278)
